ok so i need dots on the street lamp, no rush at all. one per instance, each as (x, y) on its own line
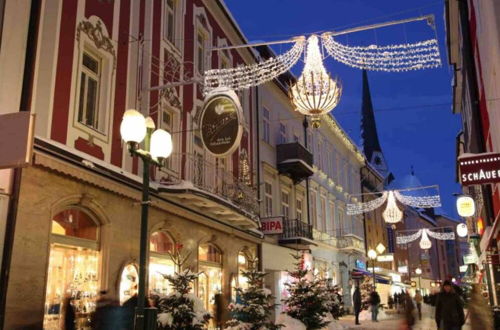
(418, 271)
(372, 254)
(135, 129)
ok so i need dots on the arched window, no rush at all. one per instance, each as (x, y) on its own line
(73, 270)
(161, 244)
(210, 281)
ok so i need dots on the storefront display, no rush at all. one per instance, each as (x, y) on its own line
(210, 279)
(128, 282)
(160, 263)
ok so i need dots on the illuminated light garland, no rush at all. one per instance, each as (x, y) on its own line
(441, 236)
(419, 202)
(315, 93)
(409, 238)
(395, 58)
(252, 75)
(392, 214)
(425, 242)
(353, 209)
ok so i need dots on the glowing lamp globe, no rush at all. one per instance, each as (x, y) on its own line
(425, 242)
(462, 230)
(133, 126)
(466, 206)
(392, 214)
(418, 271)
(161, 144)
(372, 254)
(315, 93)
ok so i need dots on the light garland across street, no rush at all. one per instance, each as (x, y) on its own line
(422, 202)
(425, 233)
(359, 208)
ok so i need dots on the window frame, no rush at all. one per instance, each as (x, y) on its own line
(95, 76)
(268, 199)
(168, 10)
(285, 205)
(266, 125)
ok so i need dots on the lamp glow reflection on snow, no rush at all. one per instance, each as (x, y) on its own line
(392, 214)
(315, 93)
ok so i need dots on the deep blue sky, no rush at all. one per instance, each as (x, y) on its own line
(412, 109)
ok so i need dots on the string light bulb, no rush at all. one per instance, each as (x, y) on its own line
(425, 242)
(315, 93)
(392, 213)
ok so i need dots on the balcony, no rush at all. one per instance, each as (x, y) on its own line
(211, 190)
(351, 243)
(295, 161)
(296, 234)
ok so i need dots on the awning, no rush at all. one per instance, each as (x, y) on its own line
(378, 278)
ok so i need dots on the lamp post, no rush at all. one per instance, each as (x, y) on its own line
(418, 271)
(134, 129)
(372, 254)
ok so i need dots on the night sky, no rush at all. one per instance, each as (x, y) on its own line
(415, 123)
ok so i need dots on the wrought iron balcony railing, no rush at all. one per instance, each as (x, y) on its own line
(295, 228)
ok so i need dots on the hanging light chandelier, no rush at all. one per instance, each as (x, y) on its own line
(425, 242)
(315, 93)
(392, 214)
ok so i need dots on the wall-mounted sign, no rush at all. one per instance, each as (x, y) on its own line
(385, 258)
(470, 259)
(466, 206)
(463, 268)
(221, 122)
(479, 168)
(403, 269)
(360, 264)
(272, 225)
(396, 277)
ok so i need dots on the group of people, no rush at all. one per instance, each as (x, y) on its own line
(449, 307)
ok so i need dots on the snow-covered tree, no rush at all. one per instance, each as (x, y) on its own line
(308, 300)
(254, 305)
(181, 309)
(365, 288)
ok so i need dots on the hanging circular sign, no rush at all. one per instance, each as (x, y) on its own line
(466, 206)
(221, 122)
(462, 229)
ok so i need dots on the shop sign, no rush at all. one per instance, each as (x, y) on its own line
(396, 277)
(466, 206)
(470, 259)
(385, 258)
(360, 264)
(221, 122)
(403, 269)
(479, 168)
(16, 139)
(463, 268)
(272, 225)
(355, 275)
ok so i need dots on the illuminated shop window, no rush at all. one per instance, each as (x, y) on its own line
(160, 263)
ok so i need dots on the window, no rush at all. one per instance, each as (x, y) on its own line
(313, 208)
(285, 204)
(160, 263)
(333, 225)
(88, 105)
(209, 253)
(341, 230)
(282, 137)
(299, 208)
(200, 52)
(169, 20)
(268, 199)
(322, 225)
(266, 123)
(167, 124)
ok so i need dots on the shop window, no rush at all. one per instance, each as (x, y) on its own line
(210, 279)
(128, 283)
(73, 268)
(161, 245)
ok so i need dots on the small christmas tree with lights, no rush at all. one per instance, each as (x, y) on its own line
(308, 301)
(254, 305)
(181, 309)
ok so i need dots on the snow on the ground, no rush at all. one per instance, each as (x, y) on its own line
(366, 315)
(290, 322)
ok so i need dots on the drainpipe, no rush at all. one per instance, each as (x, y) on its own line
(306, 124)
(25, 105)
(259, 202)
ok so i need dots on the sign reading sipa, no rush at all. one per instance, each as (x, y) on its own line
(272, 225)
(221, 127)
(479, 168)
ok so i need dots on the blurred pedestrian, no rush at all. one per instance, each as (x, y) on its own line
(69, 313)
(418, 302)
(409, 312)
(108, 314)
(449, 309)
(374, 302)
(356, 301)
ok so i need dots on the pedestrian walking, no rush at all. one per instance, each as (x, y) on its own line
(409, 312)
(418, 301)
(449, 309)
(374, 302)
(69, 313)
(356, 301)
(108, 315)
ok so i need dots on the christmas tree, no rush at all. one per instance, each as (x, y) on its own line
(253, 306)
(365, 288)
(309, 301)
(181, 309)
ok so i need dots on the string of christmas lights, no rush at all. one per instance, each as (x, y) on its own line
(420, 201)
(391, 58)
(243, 77)
(409, 238)
(359, 208)
(392, 213)
(441, 236)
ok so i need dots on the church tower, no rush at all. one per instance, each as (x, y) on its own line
(371, 145)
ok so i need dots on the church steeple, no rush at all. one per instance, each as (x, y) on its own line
(369, 136)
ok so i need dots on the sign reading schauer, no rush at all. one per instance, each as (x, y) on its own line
(221, 127)
(479, 168)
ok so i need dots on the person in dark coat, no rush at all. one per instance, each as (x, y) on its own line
(374, 302)
(449, 309)
(69, 314)
(356, 301)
